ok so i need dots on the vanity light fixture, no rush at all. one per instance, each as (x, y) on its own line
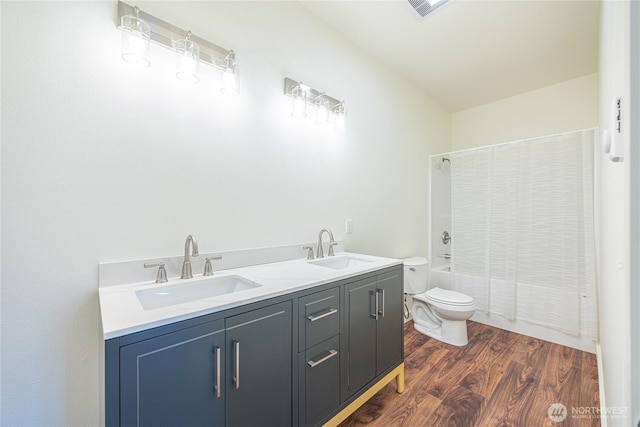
(327, 108)
(230, 78)
(322, 109)
(139, 28)
(136, 37)
(299, 100)
(188, 58)
(340, 111)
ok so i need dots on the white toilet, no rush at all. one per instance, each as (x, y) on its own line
(438, 313)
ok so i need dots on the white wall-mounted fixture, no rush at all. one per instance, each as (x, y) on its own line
(326, 107)
(187, 59)
(322, 110)
(298, 100)
(139, 28)
(340, 111)
(230, 78)
(136, 37)
(613, 140)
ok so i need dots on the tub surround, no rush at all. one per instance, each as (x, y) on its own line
(122, 312)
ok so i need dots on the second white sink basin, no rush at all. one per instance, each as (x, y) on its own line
(340, 262)
(165, 296)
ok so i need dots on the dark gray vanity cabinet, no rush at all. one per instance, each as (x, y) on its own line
(372, 333)
(234, 371)
(292, 360)
(319, 355)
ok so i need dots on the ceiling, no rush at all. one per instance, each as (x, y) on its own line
(472, 52)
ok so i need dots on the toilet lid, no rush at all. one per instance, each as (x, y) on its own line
(445, 296)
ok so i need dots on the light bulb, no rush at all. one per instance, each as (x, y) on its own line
(229, 85)
(187, 68)
(299, 101)
(136, 44)
(299, 107)
(322, 116)
(341, 116)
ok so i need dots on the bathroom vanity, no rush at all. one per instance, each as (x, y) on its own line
(305, 345)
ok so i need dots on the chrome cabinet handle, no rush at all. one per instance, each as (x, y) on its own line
(236, 350)
(314, 363)
(217, 372)
(382, 292)
(375, 312)
(328, 312)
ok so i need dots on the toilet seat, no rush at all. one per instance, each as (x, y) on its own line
(445, 297)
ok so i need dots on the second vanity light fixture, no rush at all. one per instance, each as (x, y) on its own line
(327, 108)
(139, 29)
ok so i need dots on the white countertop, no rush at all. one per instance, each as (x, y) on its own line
(122, 312)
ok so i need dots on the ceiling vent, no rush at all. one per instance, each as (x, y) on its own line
(425, 7)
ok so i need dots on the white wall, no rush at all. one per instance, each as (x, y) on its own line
(562, 107)
(101, 163)
(613, 217)
(634, 177)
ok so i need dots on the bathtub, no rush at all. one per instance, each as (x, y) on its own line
(441, 277)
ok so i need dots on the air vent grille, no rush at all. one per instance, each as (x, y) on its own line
(424, 7)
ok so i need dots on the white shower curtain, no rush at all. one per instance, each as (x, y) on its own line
(522, 227)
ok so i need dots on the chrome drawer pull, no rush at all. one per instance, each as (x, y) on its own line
(314, 363)
(236, 378)
(376, 311)
(382, 292)
(328, 312)
(217, 386)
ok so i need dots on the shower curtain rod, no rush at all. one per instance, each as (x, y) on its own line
(516, 142)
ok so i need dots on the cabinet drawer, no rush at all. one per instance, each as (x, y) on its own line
(319, 369)
(319, 317)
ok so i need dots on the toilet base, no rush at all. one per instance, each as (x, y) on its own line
(452, 332)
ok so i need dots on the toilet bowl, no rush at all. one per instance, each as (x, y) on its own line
(438, 313)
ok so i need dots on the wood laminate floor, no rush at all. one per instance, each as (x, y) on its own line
(499, 379)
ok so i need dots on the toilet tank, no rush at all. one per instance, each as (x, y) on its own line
(415, 275)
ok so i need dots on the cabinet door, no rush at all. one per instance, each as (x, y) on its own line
(259, 353)
(359, 341)
(171, 380)
(319, 379)
(390, 332)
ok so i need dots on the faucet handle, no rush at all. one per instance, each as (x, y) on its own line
(208, 268)
(161, 276)
(309, 251)
(331, 245)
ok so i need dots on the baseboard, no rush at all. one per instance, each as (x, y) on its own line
(603, 405)
(583, 343)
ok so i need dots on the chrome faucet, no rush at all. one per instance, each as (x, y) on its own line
(186, 265)
(319, 252)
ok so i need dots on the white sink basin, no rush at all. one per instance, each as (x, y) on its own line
(340, 262)
(165, 296)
